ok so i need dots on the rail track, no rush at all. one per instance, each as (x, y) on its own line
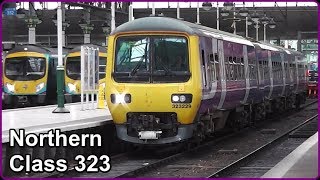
(141, 162)
(236, 164)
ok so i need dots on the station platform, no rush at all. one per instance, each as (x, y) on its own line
(41, 119)
(300, 163)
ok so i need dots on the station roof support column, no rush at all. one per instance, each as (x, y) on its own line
(113, 14)
(60, 67)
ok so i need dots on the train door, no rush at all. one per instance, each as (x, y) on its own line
(204, 48)
(222, 73)
(205, 84)
(246, 72)
(296, 58)
(283, 74)
(214, 62)
(260, 66)
(270, 74)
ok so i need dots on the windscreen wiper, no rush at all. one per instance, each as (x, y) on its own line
(135, 69)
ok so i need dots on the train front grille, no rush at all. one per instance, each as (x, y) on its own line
(152, 121)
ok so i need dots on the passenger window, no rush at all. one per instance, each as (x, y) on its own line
(211, 58)
(204, 68)
(216, 57)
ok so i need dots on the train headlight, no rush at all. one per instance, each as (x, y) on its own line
(10, 87)
(72, 87)
(181, 98)
(120, 98)
(175, 98)
(39, 87)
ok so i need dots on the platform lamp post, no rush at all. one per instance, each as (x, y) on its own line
(113, 16)
(86, 28)
(243, 13)
(266, 22)
(198, 13)
(60, 67)
(32, 21)
(65, 24)
(207, 6)
(248, 23)
(106, 29)
(255, 18)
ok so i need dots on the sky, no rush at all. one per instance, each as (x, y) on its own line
(137, 5)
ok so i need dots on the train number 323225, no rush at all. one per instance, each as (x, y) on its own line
(181, 105)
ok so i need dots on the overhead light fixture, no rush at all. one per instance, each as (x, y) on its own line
(255, 17)
(21, 13)
(243, 12)
(272, 24)
(106, 28)
(249, 22)
(82, 23)
(206, 6)
(264, 19)
(256, 25)
(228, 5)
(224, 12)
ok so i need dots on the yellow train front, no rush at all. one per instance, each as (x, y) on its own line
(73, 72)
(27, 69)
(153, 81)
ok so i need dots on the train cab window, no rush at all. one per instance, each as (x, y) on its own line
(73, 67)
(25, 68)
(151, 59)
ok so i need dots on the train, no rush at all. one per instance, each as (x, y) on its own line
(73, 71)
(27, 73)
(172, 81)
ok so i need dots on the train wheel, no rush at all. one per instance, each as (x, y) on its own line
(239, 119)
(258, 112)
(282, 105)
(297, 103)
(289, 102)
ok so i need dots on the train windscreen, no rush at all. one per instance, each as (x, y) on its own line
(25, 68)
(151, 59)
(73, 67)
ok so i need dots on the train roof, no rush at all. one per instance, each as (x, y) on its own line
(78, 48)
(273, 47)
(29, 47)
(36, 48)
(157, 23)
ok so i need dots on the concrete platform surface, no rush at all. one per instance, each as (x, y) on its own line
(300, 163)
(41, 119)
